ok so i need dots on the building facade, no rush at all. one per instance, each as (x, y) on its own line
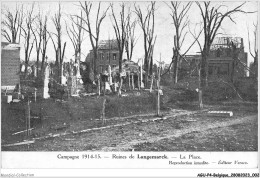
(227, 58)
(10, 65)
(108, 54)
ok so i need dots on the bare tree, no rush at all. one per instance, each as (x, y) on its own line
(37, 32)
(147, 25)
(180, 22)
(27, 34)
(76, 34)
(130, 40)
(58, 45)
(198, 65)
(11, 24)
(41, 37)
(45, 39)
(120, 31)
(93, 32)
(254, 54)
(234, 54)
(212, 19)
(253, 68)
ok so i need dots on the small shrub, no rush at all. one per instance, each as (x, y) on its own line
(248, 88)
(188, 95)
(218, 92)
(166, 80)
(122, 106)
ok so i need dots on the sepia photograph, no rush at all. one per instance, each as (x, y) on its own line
(129, 76)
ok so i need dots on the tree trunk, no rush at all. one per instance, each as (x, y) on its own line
(138, 81)
(158, 93)
(151, 66)
(200, 99)
(146, 80)
(151, 87)
(120, 61)
(200, 90)
(37, 63)
(58, 67)
(141, 74)
(120, 86)
(94, 63)
(146, 69)
(103, 112)
(129, 79)
(63, 52)
(99, 85)
(43, 61)
(256, 65)
(204, 68)
(26, 63)
(232, 71)
(133, 84)
(175, 69)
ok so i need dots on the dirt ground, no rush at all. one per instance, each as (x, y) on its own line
(178, 129)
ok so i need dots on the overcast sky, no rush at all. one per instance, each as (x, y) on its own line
(164, 28)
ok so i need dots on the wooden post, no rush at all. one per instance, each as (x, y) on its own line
(151, 87)
(28, 118)
(68, 92)
(104, 88)
(158, 85)
(115, 86)
(133, 84)
(200, 91)
(99, 85)
(158, 98)
(129, 83)
(120, 86)
(199, 88)
(35, 94)
(138, 81)
(141, 71)
(19, 91)
(103, 112)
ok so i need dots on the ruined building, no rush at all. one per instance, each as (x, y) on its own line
(227, 58)
(108, 54)
(10, 65)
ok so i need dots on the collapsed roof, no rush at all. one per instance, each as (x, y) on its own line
(226, 42)
(128, 66)
(108, 44)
